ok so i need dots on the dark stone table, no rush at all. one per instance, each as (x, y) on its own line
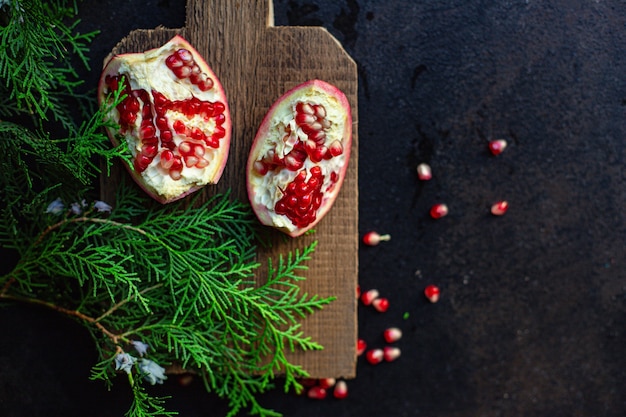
(532, 316)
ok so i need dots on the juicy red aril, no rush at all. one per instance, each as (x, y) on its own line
(432, 293)
(341, 390)
(438, 211)
(154, 131)
(369, 296)
(391, 353)
(499, 208)
(316, 393)
(392, 334)
(374, 356)
(373, 238)
(361, 345)
(381, 304)
(424, 172)
(496, 147)
(327, 382)
(308, 382)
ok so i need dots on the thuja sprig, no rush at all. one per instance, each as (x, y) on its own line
(180, 280)
(36, 59)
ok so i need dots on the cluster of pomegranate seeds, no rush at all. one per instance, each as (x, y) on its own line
(387, 353)
(182, 64)
(317, 389)
(372, 297)
(499, 208)
(301, 198)
(373, 238)
(497, 146)
(156, 130)
(432, 293)
(438, 211)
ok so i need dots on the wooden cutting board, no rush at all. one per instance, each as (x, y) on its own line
(256, 63)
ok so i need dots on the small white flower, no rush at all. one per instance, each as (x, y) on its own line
(140, 347)
(101, 206)
(56, 207)
(124, 362)
(76, 208)
(151, 371)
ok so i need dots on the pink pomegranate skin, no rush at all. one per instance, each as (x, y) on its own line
(150, 72)
(292, 146)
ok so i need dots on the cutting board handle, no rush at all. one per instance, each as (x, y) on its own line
(259, 13)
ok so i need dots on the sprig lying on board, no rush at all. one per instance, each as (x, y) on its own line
(153, 285)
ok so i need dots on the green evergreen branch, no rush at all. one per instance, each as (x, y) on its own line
(36, 61)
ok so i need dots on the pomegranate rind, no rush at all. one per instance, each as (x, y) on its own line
(265, 190)
(141, 69)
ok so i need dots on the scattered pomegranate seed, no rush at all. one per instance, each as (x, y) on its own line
(308, 382)
(361, 345)
(185, 380)
(391, 353)
(373, 238)
(424, 172)
(369, 296)
(316, 393)
(432, 293)
(392, 334)
(497, 146)
(438, 211)
(327, 382)
(341, 390)
(358, 291)
(375, 356)
(499, 208)
(381, 304)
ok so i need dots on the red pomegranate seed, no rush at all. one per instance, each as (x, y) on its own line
(358, 291)
(499, 208)
(361, 345)
(381, 304)
(391, 353)
(432, 293)
(375, 356)
(308, 382)
(341, 390)
(327, 382)
(424, 172)
(497, 146)
(369, 296)
(373, 238)
(392, 334)
(438, 211)
(316, 393)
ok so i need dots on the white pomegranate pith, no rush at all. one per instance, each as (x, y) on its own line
(299, 157)
(174, 118)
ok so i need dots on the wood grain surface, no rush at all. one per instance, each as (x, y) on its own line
(257, 62)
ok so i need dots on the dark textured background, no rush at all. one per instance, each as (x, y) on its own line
(533, 311)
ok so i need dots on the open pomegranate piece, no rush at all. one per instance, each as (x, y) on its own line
(175, 118)
(299, 157)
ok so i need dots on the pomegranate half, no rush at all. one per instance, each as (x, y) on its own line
(299, 157)
(174, 118)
